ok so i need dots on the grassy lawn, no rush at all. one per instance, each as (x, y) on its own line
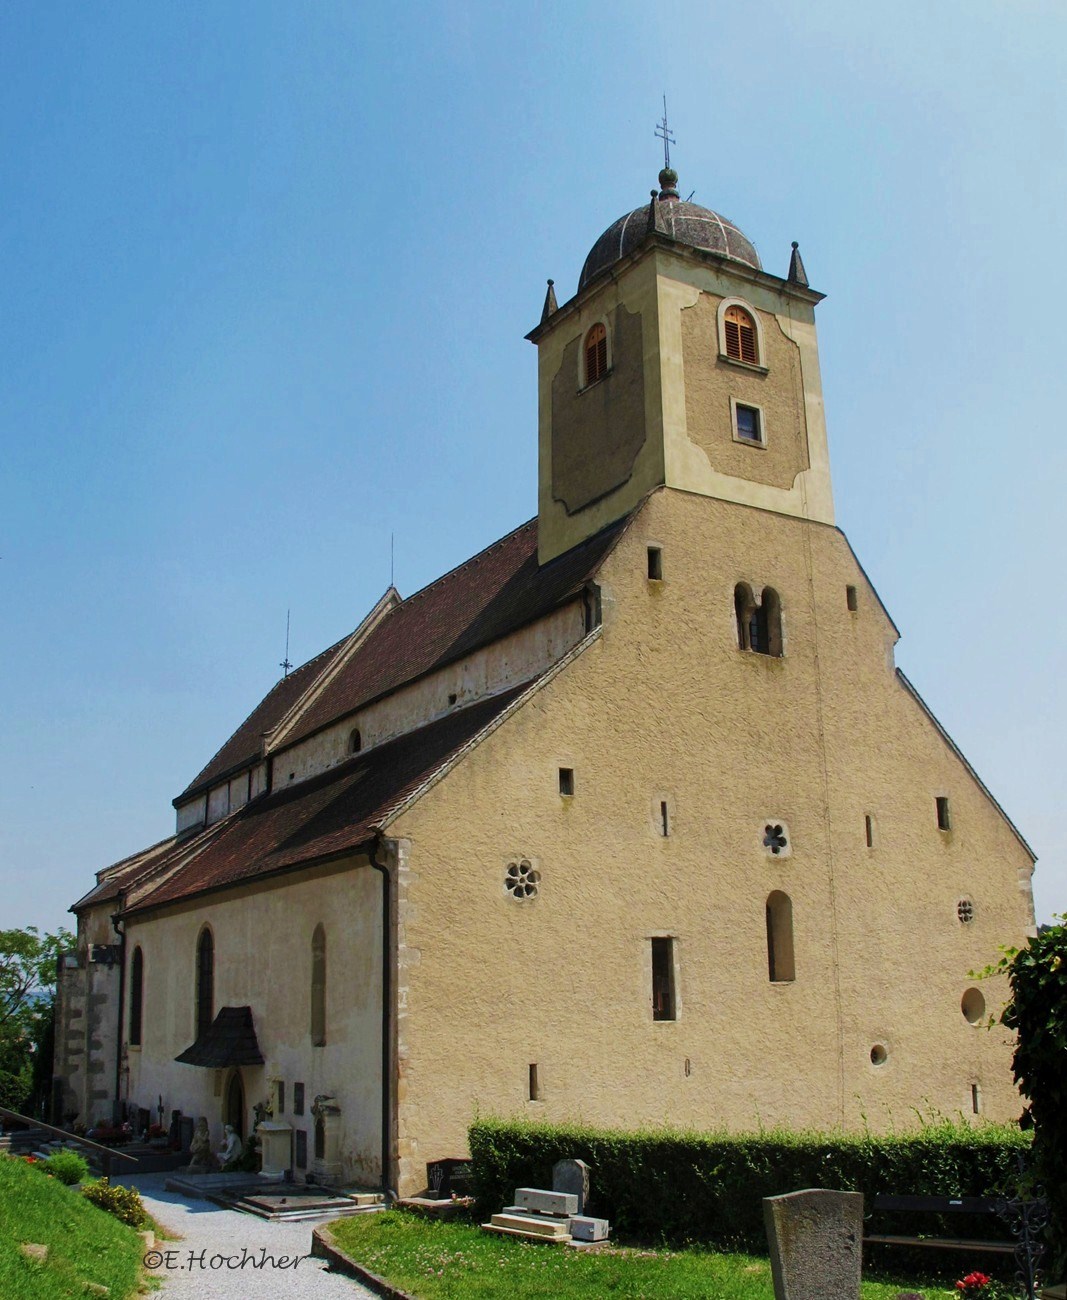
(458, 1261)
(85, 1244)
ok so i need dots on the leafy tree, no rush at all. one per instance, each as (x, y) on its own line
(27, 997)
(1038, 1013)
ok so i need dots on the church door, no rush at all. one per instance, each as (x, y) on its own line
(235, 1104)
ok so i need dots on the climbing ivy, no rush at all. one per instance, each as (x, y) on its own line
(1037, 1013)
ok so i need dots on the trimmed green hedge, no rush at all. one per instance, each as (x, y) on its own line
(676, 1186)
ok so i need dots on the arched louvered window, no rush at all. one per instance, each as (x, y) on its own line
(742, 341)
(318, 987)
(136, 996)
(781, 966)
(596, 353)
(205, 982)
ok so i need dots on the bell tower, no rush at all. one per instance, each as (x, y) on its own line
(678, 362)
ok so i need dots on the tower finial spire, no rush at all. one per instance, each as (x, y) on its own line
(664, 133)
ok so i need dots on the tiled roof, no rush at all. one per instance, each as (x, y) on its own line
(230, 1040)
(120, 875)
(492, 594)
(331, 814)
(245, 745)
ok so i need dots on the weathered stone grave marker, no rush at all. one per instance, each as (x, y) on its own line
(816, 1244)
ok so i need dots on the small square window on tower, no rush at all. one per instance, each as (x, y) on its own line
(655, 564)
(566, 781)
(851, 600)
(748, 423)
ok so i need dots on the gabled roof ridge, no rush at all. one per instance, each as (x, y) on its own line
(471, 559)
(195, 845)
(939, 728)
(381, 609)
(131, 858)
(525, 691)
(193, 789)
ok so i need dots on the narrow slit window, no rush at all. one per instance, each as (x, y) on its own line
(851, 599)
(944, 817)
(663, 979)
(318, 987)
(596, 354)
(655, 563)
(566, 781)
(535, 1087)
(868, 824)
(781, 965)
(136, 996)
(355, 742)
(664, 819)
(976, 1099)
(742, 343)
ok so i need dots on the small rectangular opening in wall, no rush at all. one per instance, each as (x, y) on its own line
(535, 1087)
(976, 1099)
(452, 697)
(851, 600)
(566, 781)
(655, 563)
(944, 817)
(868, 825)
(663, 979)
(298, 1099)
(281, 1097)
(664, 819)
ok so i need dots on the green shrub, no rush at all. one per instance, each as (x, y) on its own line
(674, 1186)
(68, 1166)
(123, 1202)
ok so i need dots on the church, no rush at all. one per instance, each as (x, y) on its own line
(631, 818)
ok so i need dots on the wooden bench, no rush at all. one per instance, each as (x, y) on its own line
(984, 1205)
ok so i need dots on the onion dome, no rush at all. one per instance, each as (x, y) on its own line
(687, 223)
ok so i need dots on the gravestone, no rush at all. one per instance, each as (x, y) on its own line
(185, 1129)
(816, 1244)
(572, 1176)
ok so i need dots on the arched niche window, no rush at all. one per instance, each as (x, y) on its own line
(596, 353)
(318, 987)
(781, 967)
(759, 622)
(136, 996)
(741, 336)
(205, 982)
(355, 741)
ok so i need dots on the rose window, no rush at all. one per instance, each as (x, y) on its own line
(522, 879)
(775, 838)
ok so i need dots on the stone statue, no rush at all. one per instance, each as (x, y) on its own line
(202, 1158)
(232, 1146)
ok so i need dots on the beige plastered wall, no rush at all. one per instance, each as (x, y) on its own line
(262, 935)
(663, 705)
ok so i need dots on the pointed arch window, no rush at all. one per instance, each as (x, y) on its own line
(596, 353)
(355, 741)
(781, 965)
(318, 987)
(205, 982)
(136, 996)
(742, 340)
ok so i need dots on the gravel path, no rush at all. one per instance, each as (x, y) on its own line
(208, 1232)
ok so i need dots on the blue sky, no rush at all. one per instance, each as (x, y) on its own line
(267, 272)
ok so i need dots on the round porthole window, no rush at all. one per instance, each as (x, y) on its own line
(972, 1004)
(879, 1055)
(522, 880)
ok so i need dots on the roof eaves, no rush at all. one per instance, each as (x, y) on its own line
(963, 759)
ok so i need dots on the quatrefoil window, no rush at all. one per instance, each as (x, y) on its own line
(522, 879)
(776, 839)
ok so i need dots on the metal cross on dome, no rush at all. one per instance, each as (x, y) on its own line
(664, 133)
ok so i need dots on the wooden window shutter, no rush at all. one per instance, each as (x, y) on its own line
(740, 331)
(596, 354)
